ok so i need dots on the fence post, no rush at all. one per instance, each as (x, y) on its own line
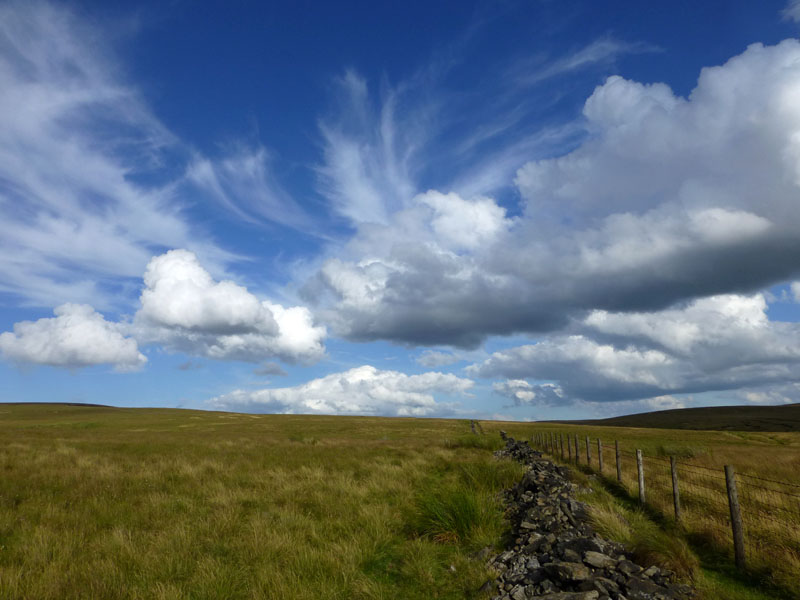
(600, 455)
(619, 464)
(676, 496)
(588, 453)
(736, 517)
(577, 451)
(561, 444)
(569, 448)
(640, 469)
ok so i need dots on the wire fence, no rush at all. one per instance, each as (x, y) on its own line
(756, 519)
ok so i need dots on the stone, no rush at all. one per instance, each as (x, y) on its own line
(642, 589)
(571, 556)
(555, 553)
(568, 571)
(598, 560)
(650, 571)
(592, 595)
(628, 567)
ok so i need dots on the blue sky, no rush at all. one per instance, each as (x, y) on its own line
(519, 210)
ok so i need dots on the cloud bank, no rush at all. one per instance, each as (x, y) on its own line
(360, 391)
(666, 200)
(717, 343)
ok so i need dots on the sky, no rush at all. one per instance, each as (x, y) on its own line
(497, 210)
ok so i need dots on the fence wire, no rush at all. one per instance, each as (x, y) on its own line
(770, 508)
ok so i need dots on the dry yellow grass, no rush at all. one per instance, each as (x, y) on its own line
(771, 510)
(141, 503)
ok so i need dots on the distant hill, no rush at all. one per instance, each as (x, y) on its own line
(785, 417)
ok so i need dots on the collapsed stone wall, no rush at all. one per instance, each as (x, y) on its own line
(554, 554)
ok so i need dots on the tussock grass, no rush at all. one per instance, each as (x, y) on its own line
(482, 442)
(770, 510)
(140, 503)
(679, 451)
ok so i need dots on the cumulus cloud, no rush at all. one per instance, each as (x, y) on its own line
(76, 337)
(462, 224)
(717, 343)
(524, 393)
(360, 391)
(667, 199)
(185, 309)
(795, 288)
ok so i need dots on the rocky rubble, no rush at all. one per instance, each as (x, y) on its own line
(554, 553)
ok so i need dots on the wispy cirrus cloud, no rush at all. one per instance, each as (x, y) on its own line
(619, 223)
(791, 12)
(77, 143)
(244, 183)
(602, 52)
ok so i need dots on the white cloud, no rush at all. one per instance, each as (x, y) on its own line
(433, 358)
(667, 199)
(791, 12)
(245, 184)
(360, 391)
(602, 51)
(73, 138)
(462, 224)
(795, 287)
(717, 343)
(76, 337)
(524, 393)
(184, 309)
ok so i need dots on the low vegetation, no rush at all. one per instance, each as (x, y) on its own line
(711, 418)
(140, 503)
(701, 546)
(157, 503)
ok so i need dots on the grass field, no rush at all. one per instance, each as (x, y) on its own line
(138, 503)
(768, 479)
(155, 503)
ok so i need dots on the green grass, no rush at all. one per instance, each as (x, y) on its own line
(770, 510)
(155, 503)
(653, 541)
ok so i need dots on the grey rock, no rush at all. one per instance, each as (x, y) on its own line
(568, 571)
(598, 560)
(642, 589)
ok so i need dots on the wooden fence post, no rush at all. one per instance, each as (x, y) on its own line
(676, 496)
(619, 464)
(577, 451)
(736, 517)
(600, 455)
(569, 448)
(640, 468)
(588, 453)
(561, 443)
